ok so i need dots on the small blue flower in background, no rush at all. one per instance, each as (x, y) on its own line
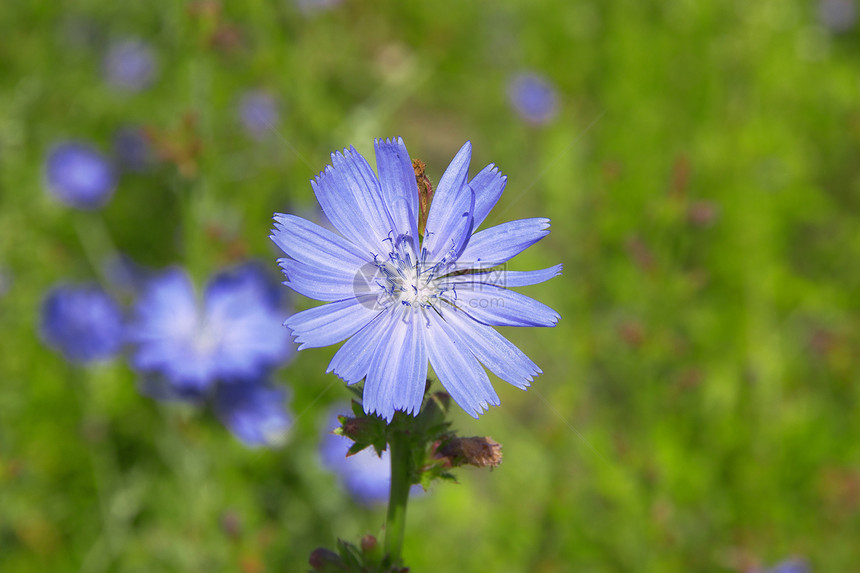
(401, 303)
(366, 476)
(790, 566)
(130, 65)
(79, 176)
(533, 97)
(254, 412)
(838, 16)
(82, 322)
(258, 113)
(131, 150)
(234, 333)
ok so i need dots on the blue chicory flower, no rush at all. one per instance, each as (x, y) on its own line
(130, 65)
(365, 475)
(233, 334)
(258, 113)
(82, 322)
(533, 97)
(79, 176)
(401, 302)
(254, 412)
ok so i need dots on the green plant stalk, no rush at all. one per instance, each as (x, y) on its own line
(395, 522)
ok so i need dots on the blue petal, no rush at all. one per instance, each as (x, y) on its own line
(494, 351)
(319, 283)
(352, 361)
(358, 177)
(353, 205)
(398, 370)
(243, 322)
(166, 320)
(329, 323)
(450, 220)
(488, 186)
(503, 278)
(458, 371)
(501, 307)
(399, 188)
(498, 244)
(309, 243)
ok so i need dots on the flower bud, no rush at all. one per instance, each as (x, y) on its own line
(476, 451)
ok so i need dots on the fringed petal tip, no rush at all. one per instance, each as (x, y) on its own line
(388, 141)
(388, 414)
(481, 408)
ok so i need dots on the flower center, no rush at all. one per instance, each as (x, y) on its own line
(409, 284)
(416, 289)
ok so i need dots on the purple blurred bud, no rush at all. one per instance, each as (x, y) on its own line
(79, 176)
(82, 322)
(533, 97)
(326, 561)
(258, 113)
(132, 150)
(838, 16)
(130, 65)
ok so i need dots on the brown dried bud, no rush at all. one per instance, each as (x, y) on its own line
(425, 194)
(368, 543)
(476, 451)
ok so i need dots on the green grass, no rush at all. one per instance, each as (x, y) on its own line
(698, 407)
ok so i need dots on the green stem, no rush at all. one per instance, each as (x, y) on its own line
(395, 523)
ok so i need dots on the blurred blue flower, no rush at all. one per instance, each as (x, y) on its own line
(366, 476)
(838, 16)
(130, 65)
(79, 176)
(258, 113)
(533, 97)
(82, 322)
(401, 303)
(131, 150)
(254, 412)
(233, 334)
(790, 566)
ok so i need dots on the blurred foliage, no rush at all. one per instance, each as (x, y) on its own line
(698, 407)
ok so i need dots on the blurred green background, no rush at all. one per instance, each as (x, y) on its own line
(698, 408)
